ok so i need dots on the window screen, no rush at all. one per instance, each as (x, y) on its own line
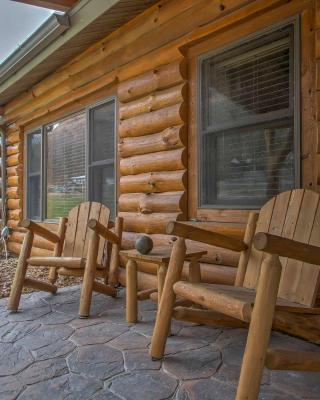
(247, 146)
(102, 154)
(34, 145)
(65, 165)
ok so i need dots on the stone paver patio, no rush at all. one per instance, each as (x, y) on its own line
(46, 352)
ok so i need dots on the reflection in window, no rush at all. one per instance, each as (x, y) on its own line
(247, 122)
(34, 144)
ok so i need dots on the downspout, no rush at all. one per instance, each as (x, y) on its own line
(3, 176)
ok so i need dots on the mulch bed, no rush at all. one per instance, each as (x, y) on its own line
(7, 270)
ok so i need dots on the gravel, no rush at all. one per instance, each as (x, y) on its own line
(7, 270)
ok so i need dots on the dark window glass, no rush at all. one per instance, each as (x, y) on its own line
(65, 165)
(34, 175)
(102, 155)
(247, 122)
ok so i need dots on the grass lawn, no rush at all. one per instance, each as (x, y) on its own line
(59, 204)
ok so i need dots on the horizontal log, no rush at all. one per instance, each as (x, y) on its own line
(14, 193)
(215, 255)
(39, 285)
(37, 241)
(169, 139)
(16, 170)
(14, 160)
(171, 160)
(15, 137)
(207, 317)
(15, 248)
(150, 223)
(287, 248)
(147, 203)
(14, 204)
(154, 182)
(15, 180)
(153, 122)
(145, 281)
(145, 294)
(280, 359)
(159, 78)
(201, 235)
(13, 224)
(39, 230)
(104, 289)
(15, 214)
(153, 102)
(14, 149)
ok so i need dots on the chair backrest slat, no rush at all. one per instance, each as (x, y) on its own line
(77, 234)
(294, 215)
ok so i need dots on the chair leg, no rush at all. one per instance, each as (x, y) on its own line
(259, 329)
(165, 309)
(19, 277)
(131, 292)
(89, 276)
(53, 275)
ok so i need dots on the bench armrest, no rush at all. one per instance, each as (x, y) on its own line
(202, 235)
(39, 230)
(103, 231)
(287, 248)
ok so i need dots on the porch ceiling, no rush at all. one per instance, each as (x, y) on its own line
(90, 21)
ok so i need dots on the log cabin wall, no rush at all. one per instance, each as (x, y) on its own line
(145, 64)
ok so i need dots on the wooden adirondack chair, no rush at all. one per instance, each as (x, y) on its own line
(284, 261)
(81, 246)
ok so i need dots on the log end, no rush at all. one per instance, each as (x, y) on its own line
(25, 223)
(92, 223)
(260, 241)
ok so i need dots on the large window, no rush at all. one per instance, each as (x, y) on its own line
(60, 175)
(248, 132)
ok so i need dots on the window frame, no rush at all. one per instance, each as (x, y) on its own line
(205, 50)
(43, 177)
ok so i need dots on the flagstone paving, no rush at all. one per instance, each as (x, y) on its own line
(46, 352)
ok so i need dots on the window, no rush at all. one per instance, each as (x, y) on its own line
(59, 175)
(34, 143)
(248, 146)
(102, 154)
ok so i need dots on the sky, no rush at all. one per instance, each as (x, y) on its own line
(17, 22)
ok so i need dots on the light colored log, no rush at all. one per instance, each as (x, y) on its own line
(39, 230)
(16, 170)
(207, 317)
(154, 101)
(161, 276)
(145, 294)
(114, 258)
(14, 192)
(14, 204)
(15, 180)
(194, 272)
(15, 248)
(14, 137)
(104, 289)
(260, 328)
(145, 281)
(89, 275)
(131, 292)
(103, 231)
(153, 122)
(165, 310)
(205, 236)
(170, 160)
(57, 250)
(13, 223)
(287, 248)
(153, 202)
(280, 359)
(37, 241)
(245, 254)
(67, 262)
(154, 182)
(169, 139)
(15, 214)
(14, 160)
(150, 223)
(160, 78)
(20, 274)
(38, 285)
(14, 149)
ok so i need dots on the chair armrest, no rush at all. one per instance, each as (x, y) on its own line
(103, 231)
(287, 248)
(202, 235)
(39, 230)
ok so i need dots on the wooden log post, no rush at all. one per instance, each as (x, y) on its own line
(165, 309)
(113, 279)
(19, 277)
(161, 276)
(245, 254)
(131, 292)
(57, 251)
(279, 359)
(260, 329)
(89, 275)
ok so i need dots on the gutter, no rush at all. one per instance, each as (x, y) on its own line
(82, 15)
(49, 31)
